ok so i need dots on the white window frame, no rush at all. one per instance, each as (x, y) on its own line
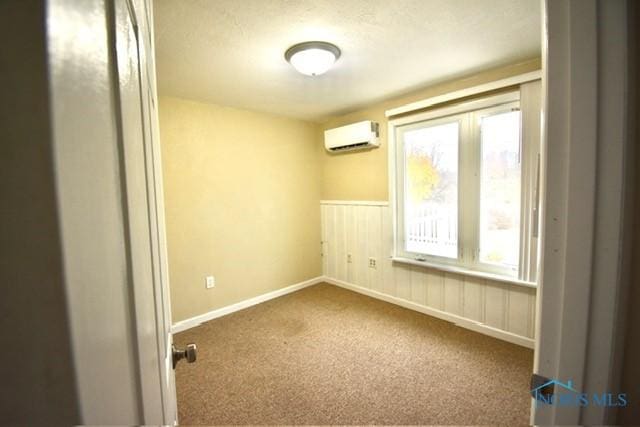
(467, 112)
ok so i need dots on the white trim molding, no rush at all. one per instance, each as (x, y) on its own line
(462, 93)
(192, 322)
(457, 320)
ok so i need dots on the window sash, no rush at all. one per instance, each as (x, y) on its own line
(476, 118)
(461, 119)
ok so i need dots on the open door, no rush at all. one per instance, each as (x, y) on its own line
(143, 181)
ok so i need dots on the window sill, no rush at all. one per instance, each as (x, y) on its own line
(466, 272)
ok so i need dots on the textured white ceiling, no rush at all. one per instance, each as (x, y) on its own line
(231, 52)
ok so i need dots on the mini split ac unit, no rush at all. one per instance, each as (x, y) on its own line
(356, 136)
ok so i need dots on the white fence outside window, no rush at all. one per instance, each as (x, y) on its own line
(432, 228)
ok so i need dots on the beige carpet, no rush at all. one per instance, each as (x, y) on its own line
(325, 355)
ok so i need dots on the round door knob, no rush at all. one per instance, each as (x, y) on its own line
(189, 353)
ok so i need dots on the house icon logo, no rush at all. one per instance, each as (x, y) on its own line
(545, 393)
(555, 392)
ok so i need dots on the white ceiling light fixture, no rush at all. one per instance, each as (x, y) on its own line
(312, 58)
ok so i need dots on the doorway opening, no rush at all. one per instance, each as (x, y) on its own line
(280, 249)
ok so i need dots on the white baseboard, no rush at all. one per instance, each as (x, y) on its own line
(192, 322)
(463, 322)
(453, 318)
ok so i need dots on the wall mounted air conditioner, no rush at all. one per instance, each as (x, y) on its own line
(356, 136)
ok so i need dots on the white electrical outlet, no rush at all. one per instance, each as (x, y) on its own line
(372, 263)
(349, 259)
(210, 282)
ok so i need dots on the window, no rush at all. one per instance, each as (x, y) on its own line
(459, 187)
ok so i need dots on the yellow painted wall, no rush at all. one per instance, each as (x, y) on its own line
(242, 193)
(362, 175)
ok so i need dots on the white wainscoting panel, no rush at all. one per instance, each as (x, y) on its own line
(352, 233)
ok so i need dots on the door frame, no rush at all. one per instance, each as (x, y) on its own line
(584, 146)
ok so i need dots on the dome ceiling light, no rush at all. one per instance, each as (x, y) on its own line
(312, 58)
